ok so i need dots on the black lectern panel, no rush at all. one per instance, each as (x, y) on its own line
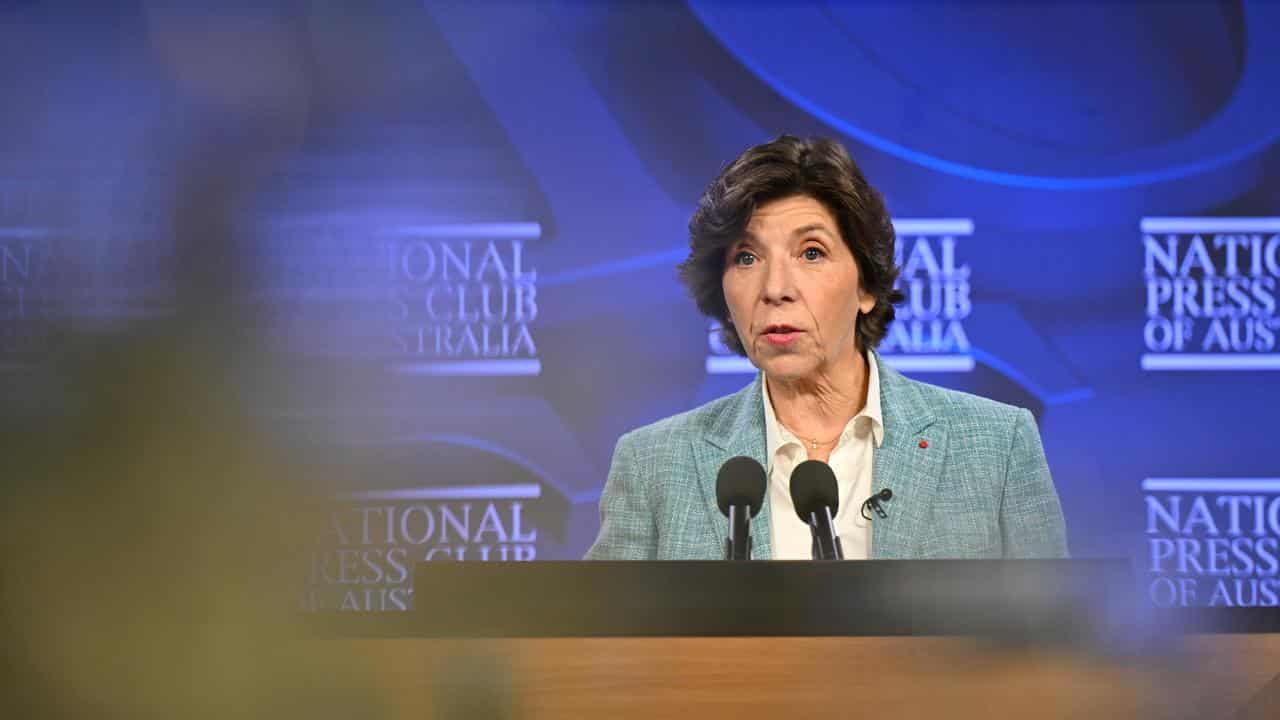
(1020, 598)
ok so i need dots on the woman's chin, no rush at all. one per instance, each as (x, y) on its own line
(787, 367)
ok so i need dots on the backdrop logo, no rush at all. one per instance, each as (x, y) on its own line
(370, 542)
(27, 266)
(20, 269)
(465, 298)
(1213, 541)
(927, 334)
(1211, 293)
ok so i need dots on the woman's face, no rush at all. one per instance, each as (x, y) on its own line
(793, 290)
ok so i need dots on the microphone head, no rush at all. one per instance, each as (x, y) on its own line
(813, 485)
(741, 481)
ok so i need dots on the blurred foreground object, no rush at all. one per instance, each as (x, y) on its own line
(148, 551)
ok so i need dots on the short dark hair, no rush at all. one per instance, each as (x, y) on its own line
(818, 168)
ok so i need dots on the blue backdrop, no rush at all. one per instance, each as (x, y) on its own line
(455, 225)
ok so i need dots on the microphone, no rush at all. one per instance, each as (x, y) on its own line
(873, 503)
(816, 496)
(740, 487)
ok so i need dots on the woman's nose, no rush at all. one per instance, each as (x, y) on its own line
(778, 283)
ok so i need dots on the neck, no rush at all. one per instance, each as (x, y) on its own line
(819, 407)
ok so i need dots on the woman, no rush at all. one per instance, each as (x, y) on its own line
(792, 251)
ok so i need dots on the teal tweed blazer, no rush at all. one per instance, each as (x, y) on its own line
(980, 489)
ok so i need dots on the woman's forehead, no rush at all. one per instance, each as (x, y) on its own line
(792, 211)
(798, 215)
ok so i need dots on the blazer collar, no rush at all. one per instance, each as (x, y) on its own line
(901, 402)
(908, 463)
(738, 429)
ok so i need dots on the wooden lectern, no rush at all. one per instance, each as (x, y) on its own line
(782, 640)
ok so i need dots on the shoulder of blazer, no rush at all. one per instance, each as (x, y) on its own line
(951, 406)
(701, 421)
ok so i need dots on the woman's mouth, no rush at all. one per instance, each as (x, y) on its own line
(780, 335)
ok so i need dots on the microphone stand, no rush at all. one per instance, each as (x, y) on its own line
(826, 544)
(738, 544)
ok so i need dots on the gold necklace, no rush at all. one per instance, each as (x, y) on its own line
(813, 442)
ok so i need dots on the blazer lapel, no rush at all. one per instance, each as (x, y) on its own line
(902, 465)
(738, 430)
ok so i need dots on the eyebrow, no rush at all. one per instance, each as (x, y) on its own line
(806, 229)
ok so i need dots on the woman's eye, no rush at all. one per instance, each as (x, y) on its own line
(813, 253)
(744, 258)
